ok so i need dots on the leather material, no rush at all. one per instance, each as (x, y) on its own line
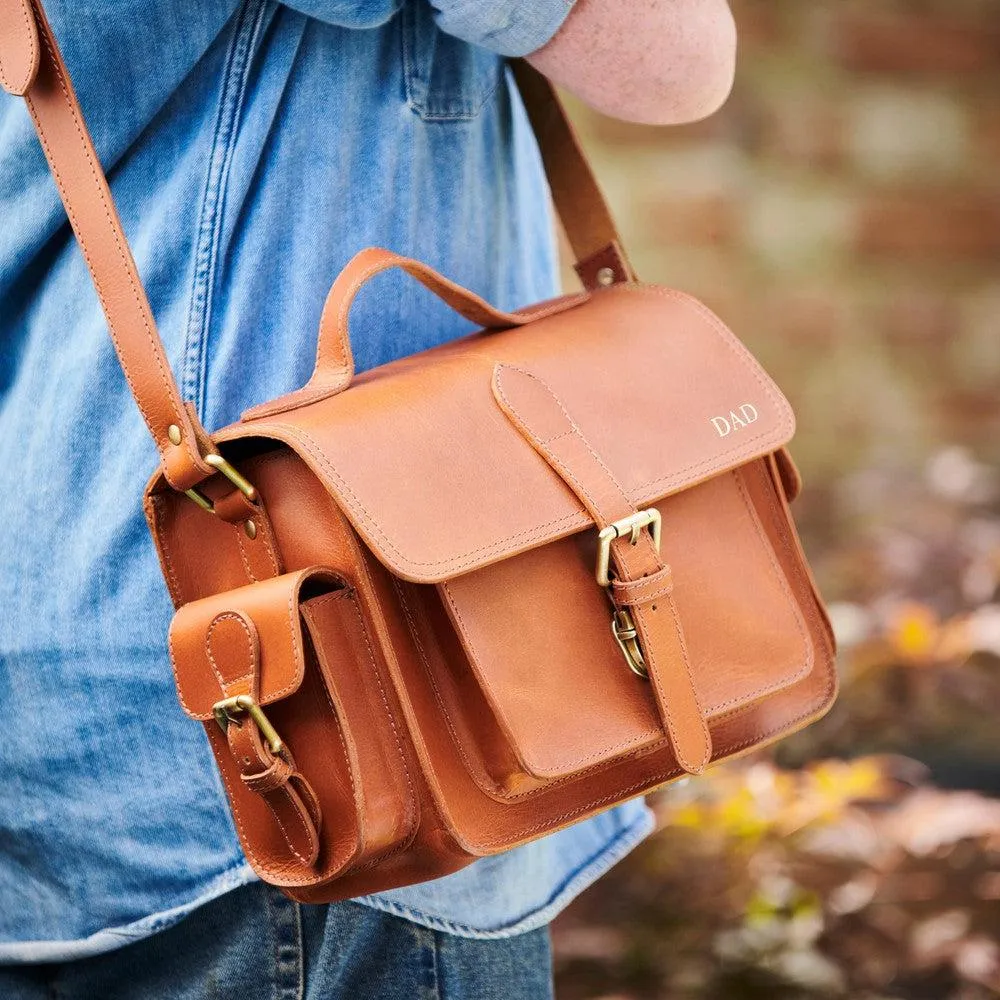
(20, 47)
(84, 190)
(589, 226)
(649, 418)
(544, 421)
(406, 602)
(608, 266)
(263, 617)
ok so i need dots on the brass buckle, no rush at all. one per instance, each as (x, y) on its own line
(627, 636)
(229, 709)
(630, 525)
(221, 465)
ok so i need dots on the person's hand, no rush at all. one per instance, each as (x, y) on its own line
(661, 62)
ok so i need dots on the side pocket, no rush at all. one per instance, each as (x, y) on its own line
(285, 677)
(447, 80)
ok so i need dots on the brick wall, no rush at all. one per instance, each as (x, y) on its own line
(842, 214)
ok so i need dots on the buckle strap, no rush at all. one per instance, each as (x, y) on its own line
(649, 633)
(288, 795)
(631, 593)
(266, 765)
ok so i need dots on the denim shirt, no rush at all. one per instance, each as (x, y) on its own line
(252, 148)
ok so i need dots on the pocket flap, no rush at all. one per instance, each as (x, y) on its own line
(438, 482)
(250, 636)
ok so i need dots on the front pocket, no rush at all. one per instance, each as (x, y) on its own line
(447, 80)
(557, 698)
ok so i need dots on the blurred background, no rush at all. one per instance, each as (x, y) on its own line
(842, 215)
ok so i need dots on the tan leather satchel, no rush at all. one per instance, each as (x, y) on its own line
(442, 608)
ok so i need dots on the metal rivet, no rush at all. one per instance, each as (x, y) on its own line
(250, 528)
(606, 276)
(174, 433)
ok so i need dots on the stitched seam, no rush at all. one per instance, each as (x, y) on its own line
(296, 636)
(209, 229)
(281, 826)
(465, 559)
(495, 791)
(404, 841)
(329, 386)
(297, 653)
(484, 680)
(171, 652)
(331, 870)
(792, 603)
(412, 817)
(433, 282)
(247, 844)
(236, 617)
(266, 536)
(312, 447)
(385, 700)
(657, 779)
(32, 38)
(248, 848)
(336, 716)
(654, 675)
(9, 84)
(173, 585)
(156, 348)
(573, 429)
(243, 554)
(635, 595)
(438, 697)
(466, 109)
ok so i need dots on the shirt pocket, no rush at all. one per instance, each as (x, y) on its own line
(446, 79)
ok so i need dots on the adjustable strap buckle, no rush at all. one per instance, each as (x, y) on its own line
(627, 636)
(231, 710)
(631, 525)
(240, 482)
(623, 626)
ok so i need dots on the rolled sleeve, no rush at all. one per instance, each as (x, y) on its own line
(509, 27)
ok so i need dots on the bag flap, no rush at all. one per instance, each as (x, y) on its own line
(437, 480)
(249, 638)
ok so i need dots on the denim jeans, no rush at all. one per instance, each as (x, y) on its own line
(255, 944)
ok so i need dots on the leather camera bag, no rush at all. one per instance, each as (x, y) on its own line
(463, 600)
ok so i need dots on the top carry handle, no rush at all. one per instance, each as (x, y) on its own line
(31, 66)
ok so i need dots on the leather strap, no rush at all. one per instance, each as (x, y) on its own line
(233, 649)
(85, 193)
(581, 206)
(19, 47)
(535, 410)
(334, 358)
(31, 65)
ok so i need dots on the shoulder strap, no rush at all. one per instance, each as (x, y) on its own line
(582, 209)
(31, 66)
(85, 193)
